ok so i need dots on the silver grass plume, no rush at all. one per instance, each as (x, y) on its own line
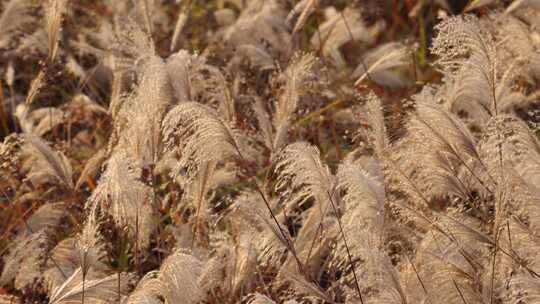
(308, 288)
(452, 95)
(364, 199)
(521, 278)
(102, 289)
(67, 261)
(363, 223)
(458, 277)
(179, 68)
(47, 216)
(257, 56)
(84, 251)
(465, 41)
(25, 261)
(231, 269)
(147, 290)
(264, 122)
(523, 144)
(34, 43)
(511, 150)
(201, 139)
(250, 216)
(302, 175)
(516, 40)
(513, 138)
(35, 87)
(131, 45)
(178, 277)
(460, 37)
(258, 298)
(201, 190)
(297, 78)
(89, 244)
(10, 156)
(85, 104)
(261, 21)
(143, 112)
(210, 86)
(521, 4)
(528, 287)
(467, 52)
(54, 12)
(15, 15)
(458, 246)
(218, 271)
(384, 278)
(103, 39)
(377, 63)
(475, 4)
(451, 149)
(245, 264)
(199, 135)
(313, 242)
(42, 222)
(376, 134)
(121, 194)
(75, 68)
(340, 28)
(302, 10)
(197, 190)
(70, 255)
(9, 75)
(39, 121)
(181, 20)
(145, 10)
(92, 167)
(45, 163)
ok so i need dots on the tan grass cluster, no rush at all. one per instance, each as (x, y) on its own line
(269, 151)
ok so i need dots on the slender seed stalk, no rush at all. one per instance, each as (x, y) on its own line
(349, 256)
(289, 244)
(83, 277)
